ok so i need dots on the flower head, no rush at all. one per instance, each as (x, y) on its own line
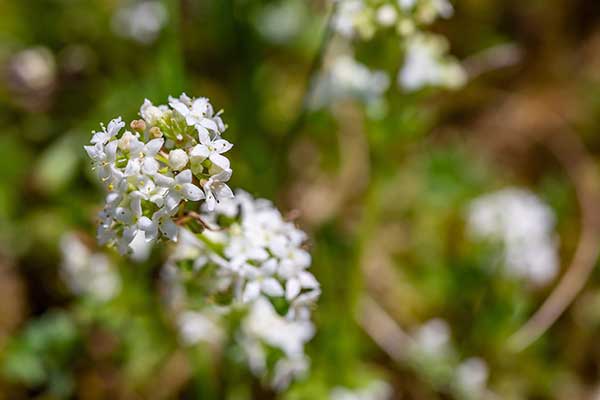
(144, 169)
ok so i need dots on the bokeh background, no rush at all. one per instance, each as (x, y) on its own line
(412, 302)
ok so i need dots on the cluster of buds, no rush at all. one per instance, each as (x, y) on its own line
(173, 155)
(255, 263)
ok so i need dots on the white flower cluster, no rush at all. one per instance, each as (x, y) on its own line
(171, 156)
(255, 262)
(524, 225)
(87, 273)
(426, 59)
(427, 64)
(347, 78)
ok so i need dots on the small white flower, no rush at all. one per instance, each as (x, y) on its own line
(161, 222)
(34, 68)
(345, 18)
(107, 134)
(151, 113)
(433, 337)
(211, 149)
(345, 78)
(199, 327)
(427, 64)
(103, 159)
(141, 21)
(216, 190)
(288, 369)
(261, 280)
(263, 323)
(387, 15)
(198, 114)
(180, 188)
(472, 375)
(86, 272)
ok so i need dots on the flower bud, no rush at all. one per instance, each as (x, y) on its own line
(138, 125)
(178, 159)
(155, 132)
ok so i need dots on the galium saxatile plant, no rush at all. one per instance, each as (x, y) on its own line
(239, 268)
(168, 161)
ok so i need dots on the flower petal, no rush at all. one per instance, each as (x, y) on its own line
(222, 145)
(272, 287)
(154, 146)
(292, 288)
(251, 291)
(184, 176)
(209, 124)
(220, 161)
(199, 153)
(192, 192)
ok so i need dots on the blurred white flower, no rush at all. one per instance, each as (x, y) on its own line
(280, 22)
(346, 78)
(406, 4)
(141, 21)
(346, 16)
(387, 15)
(87, 273)
(197, 327)
(472, 375)
(33, 69)
(430, 10)
(433, 337)
(288, 369)
(263, 323)
(427, 64)
(525, 226)
(264, 327)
